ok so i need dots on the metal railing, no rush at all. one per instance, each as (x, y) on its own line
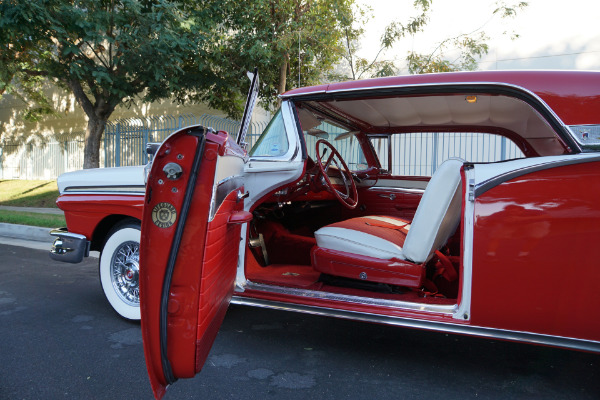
(421, 153)
(125, 139)
(123, 144)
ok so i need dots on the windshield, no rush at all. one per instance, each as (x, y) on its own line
(343, 140)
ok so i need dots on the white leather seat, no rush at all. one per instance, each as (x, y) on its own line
(435, 220)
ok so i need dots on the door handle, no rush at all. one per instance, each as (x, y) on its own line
(241, 196)
(390, 196)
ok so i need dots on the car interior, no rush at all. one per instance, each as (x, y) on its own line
(377, 212)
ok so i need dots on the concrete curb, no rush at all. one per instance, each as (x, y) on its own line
(26, 232)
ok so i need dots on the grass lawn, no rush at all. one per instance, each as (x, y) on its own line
(23, 193)
(34, 219)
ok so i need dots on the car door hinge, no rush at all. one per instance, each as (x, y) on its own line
(471, 189)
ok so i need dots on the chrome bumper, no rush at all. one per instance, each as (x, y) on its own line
(69, 247)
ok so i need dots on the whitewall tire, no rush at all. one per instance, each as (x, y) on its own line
(119, 269)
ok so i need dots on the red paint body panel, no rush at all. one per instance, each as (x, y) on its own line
(83, 212)
(573, 95)
(535, 264)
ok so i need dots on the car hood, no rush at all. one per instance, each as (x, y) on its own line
(119, 179)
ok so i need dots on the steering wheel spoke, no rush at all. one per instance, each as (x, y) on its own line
(348, 199)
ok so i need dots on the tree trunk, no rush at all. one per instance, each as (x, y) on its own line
(93, 136)
(98, 114)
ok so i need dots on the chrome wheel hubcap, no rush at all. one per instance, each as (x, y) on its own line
(125, 272)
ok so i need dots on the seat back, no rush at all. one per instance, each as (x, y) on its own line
(438, 213)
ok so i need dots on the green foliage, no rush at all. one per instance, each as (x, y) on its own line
(395, 31)
(292, 42)
(105, 52)
(105, 46)
(111, 52)
(471, 47)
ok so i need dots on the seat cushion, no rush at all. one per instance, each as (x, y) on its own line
(372, 236)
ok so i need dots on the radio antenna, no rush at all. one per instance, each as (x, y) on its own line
(298, 58)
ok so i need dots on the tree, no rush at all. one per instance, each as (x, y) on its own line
(14, 58)
(292, 42)
(112, 52)
(106, 52)
(395, 31)
(471, 46)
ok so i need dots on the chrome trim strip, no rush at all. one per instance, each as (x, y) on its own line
(139, 190)
(396, 189)
(455, 328)
(284, 96)
(220, 191)
(497, 180)
(463, 312)
(396, 304)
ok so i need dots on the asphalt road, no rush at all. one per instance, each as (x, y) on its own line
(59, 339)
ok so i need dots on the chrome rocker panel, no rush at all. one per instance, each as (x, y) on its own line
(462, 329)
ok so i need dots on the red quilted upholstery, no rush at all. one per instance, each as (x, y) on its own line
(219, 269)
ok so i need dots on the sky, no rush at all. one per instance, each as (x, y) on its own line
(553, 34)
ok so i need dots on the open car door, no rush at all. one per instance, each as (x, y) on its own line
(193, 212)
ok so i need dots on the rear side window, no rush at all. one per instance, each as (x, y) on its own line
(419, 154)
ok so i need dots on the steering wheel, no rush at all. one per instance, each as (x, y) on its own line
(349, 197)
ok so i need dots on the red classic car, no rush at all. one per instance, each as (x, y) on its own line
(103, 210)
(460, 202)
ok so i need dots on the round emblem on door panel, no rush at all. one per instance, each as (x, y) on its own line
(164, 215)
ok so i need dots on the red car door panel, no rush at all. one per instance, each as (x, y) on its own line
(534, 263)
(390, 201)
(189, 259)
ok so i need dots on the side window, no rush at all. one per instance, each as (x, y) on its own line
(344, 142)
(273, 141)
(419, 154)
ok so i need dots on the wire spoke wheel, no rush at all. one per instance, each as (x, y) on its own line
(125, 272)
(120, 269)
